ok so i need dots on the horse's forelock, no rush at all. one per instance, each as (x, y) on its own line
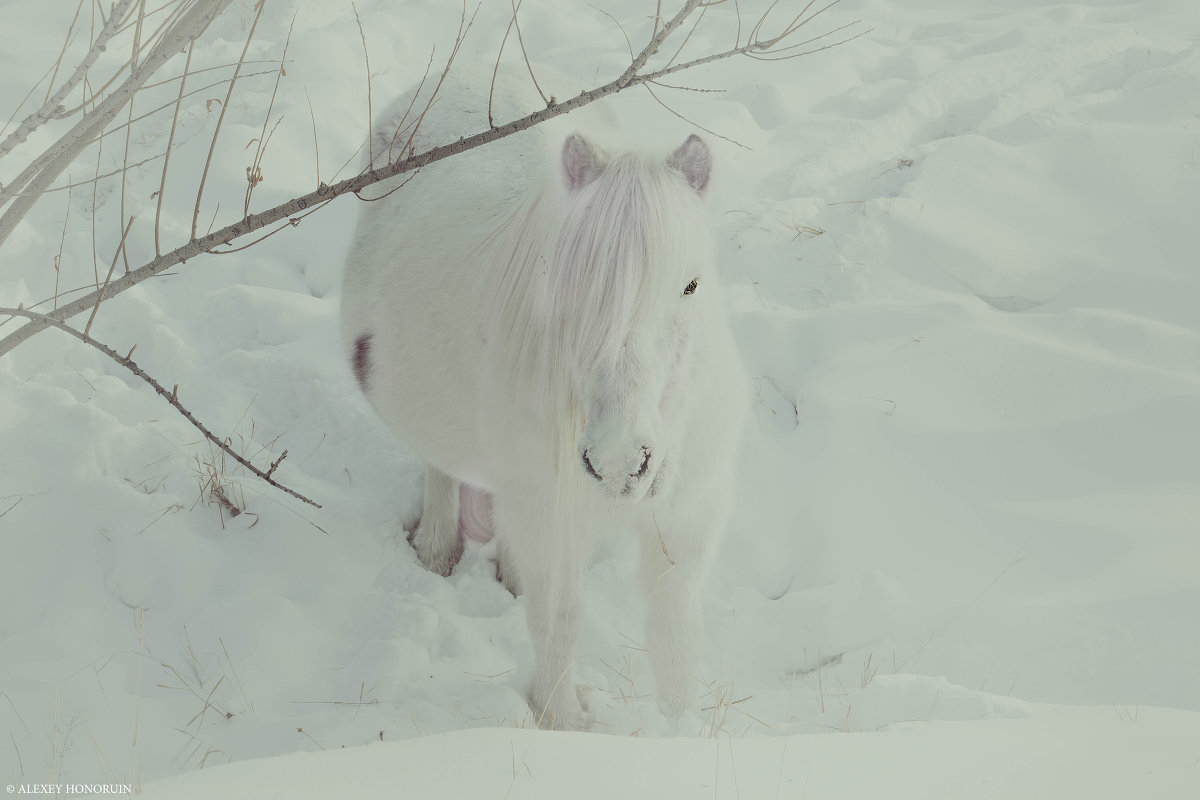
(618, 245)
(572, 274)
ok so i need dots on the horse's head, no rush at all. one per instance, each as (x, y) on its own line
(632, 262)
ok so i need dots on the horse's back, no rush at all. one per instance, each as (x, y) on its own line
(412, 305)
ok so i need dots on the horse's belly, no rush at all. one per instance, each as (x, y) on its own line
(418, 359)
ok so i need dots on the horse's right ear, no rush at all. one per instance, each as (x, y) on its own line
(582, 162)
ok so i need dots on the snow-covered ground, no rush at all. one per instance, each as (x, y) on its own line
(963, 274)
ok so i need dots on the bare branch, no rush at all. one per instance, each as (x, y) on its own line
(170, 397)
(754, 47)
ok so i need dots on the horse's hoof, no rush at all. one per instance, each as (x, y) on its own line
(438, 554)
(506, 572)
(568, 715)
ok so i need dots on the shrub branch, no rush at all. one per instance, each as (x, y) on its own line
(171, 396)
(633, 76)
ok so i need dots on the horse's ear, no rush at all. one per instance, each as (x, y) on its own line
(582, 162)
(694, 161)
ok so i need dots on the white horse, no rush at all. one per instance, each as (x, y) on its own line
(557, 352)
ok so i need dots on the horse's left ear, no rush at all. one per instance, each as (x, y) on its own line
(694, 161)
(582, 162)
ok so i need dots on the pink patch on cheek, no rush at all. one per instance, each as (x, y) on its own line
(475, 513)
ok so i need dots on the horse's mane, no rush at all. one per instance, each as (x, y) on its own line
(570, 272)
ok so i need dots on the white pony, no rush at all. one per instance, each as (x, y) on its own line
(556, 351)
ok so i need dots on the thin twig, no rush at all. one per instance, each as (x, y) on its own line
(316, 144)
(370, 112)
(646, 86)
(124, 170)
(221, 117)
(495, 72)
(162, 184)
(254, 175)
(158, 387)
(169, 104)
(62, 241)
(100, 295)
(628, 43)
(516, 7)
(688, 38)
(416, 93)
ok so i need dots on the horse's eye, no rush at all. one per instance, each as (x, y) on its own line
(691, 287)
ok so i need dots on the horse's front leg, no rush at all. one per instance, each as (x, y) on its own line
(548, 561)
(677, 546)
(436, 538)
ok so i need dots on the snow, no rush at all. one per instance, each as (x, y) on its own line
(961, 270)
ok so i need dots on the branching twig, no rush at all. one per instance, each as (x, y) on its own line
(169, 396)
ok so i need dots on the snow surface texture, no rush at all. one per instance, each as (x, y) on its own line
(963, 277)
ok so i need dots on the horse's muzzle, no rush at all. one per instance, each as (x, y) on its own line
(628, 486)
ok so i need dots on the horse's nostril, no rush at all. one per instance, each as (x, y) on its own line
(641, 473)
(587, 464)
